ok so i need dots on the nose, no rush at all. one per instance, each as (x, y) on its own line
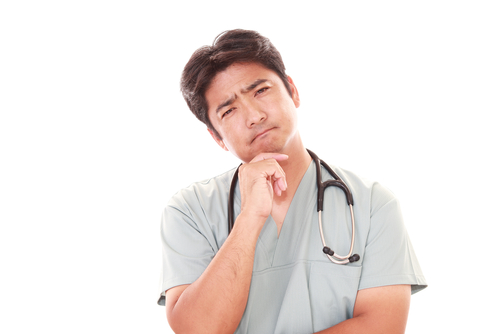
(254, 115)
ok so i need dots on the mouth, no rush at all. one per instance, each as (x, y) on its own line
(261, 134)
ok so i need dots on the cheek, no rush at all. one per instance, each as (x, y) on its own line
(233, 149)
(228, 138)
(229, 147)
(235, 143)
(231, 140)
(231, 130)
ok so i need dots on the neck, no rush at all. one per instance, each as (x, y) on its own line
(294, 167)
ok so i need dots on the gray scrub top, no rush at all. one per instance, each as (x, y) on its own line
(294, 288)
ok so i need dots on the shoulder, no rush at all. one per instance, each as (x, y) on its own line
(366, 190)
(203, 193)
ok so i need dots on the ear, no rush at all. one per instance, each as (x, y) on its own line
(219, 141)
(295, 93)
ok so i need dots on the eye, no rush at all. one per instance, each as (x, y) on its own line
(227, 112)
(262, 90)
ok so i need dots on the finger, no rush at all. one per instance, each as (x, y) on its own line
(282, 183)
(281, 178)
(276, 188)
(279, 184)
(264, 156)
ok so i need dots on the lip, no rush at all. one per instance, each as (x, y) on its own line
(260, 134)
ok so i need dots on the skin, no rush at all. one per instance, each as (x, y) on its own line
(258, 121)
(268, 106)
(256, 118)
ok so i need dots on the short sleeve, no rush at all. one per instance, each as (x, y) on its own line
(186, 251)
(389, 257)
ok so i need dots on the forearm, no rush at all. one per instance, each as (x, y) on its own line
(353, 325)
(361, 325)
(381, 310)
(215, 302)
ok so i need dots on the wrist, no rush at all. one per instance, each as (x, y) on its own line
(250, 224)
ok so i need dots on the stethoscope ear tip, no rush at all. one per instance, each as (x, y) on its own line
(327, 251)
(354, 258)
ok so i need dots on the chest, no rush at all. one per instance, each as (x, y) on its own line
(279, 213)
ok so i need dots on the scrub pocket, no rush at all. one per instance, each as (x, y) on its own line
(333, 289)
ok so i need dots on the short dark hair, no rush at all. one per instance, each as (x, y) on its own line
(231, 46)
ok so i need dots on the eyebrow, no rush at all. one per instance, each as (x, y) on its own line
(243, 91)
(225, 103)
(252, 86)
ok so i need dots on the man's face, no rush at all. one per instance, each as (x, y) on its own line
(253, 112)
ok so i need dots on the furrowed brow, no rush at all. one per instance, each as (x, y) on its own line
(225, 103)
(243, 91)
(252, 86)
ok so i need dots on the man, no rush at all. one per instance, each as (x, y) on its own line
(269, 274)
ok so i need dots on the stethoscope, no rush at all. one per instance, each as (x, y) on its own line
(336, 182)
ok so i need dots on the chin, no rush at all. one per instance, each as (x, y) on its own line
(270, 148)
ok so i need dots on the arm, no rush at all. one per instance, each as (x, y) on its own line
(377, 310)
(215, 302)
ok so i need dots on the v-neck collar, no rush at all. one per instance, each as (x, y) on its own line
(280, 249)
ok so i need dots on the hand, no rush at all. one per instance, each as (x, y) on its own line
(260, 180)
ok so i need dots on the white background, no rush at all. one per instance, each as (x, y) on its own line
(95, 138)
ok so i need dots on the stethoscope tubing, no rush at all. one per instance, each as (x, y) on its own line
(337, 182)
(337, 259)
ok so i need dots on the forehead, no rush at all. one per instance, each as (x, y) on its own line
(241, 74)
(236, 77)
